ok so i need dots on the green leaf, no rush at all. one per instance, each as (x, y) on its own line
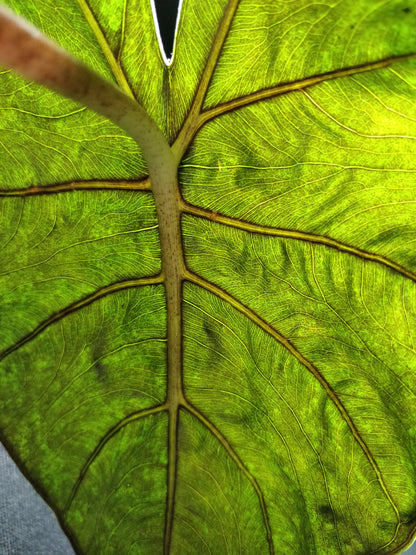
(257, 395)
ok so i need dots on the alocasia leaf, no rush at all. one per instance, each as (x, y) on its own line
(271, 408)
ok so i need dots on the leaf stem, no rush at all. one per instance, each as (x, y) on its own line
(27, 51)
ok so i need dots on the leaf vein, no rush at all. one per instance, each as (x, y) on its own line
(227, 446)
(88, 185)
(297, 235)
(102, 41)
(102, 443)
(99, 294)
(284, 88)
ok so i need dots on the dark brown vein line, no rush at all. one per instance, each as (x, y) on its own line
(256, 319)
(113, 288)
(297, 235)
(94, 185)
(285, 88)
(102, 443)
(234, 456)
(191, 124)
(102, 41)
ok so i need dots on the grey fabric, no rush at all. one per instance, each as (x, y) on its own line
(27, 524)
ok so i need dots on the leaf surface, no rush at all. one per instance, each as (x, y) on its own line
(294, 124)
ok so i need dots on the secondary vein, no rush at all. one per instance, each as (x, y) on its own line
(102, 41)
(93, 185)
(102, 443)
(113, 288)
(297, 235)
(234, 456)
(280, 89)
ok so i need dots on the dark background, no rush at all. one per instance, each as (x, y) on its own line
(166, 14)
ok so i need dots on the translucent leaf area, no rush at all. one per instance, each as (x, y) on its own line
(294, 124)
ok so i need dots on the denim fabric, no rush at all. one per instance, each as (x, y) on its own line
(27, 524)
